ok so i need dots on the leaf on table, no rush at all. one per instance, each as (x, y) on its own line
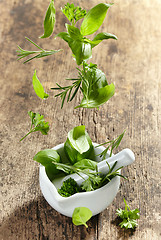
(81, 215)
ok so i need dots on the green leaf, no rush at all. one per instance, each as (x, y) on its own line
(46, 157)
(78, 145)
(94, 19)
(74, 32)
(82, 51)
(81, 215)
(100, 37)
(78, 139)
(65, 36)
(97, 98)
(86, 164)
(39, 90)
(87, 185)
(49, 21)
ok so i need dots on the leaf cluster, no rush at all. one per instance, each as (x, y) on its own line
(128, 216)
(93, 84)
(37, 124)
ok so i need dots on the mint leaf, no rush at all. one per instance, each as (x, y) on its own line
(94, 19)
(37, 124)
(39, 90)
(81, 215)
(49, 21)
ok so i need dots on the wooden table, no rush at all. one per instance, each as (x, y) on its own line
(133, 64)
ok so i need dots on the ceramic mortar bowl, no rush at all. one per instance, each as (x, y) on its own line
(96, 201)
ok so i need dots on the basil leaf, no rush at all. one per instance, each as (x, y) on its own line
(78, 139)
(100, 37)
(82, 51)
(78, 145)
(65, 36)
(97, 98)
(86, 164)
(94, 19)
(81, 215)
(74, 32)
(39, 90)
(46, 157)
(49, 21)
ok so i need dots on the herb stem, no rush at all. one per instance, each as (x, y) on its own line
(26, 135)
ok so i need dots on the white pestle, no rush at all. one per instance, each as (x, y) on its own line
(123, 158)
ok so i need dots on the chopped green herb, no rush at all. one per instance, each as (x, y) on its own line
(68, 188)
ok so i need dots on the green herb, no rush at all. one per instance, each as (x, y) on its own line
(93, 84)
(99, 181)
(78, 144)
(73, 13)
(80, 45)
(94, 19)
(37, 54)
(68, 188)
(37, 124)
(45, 158)
(86, 164)
(49, 21)
(111, 144)
(67, 91)
(39, 90)
(49, 157)
(81, 215)
(128, 216)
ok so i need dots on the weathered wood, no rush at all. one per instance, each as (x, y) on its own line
(133, 63)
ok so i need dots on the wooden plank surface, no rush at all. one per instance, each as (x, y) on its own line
(133, 63)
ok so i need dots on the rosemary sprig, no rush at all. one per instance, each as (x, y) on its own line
(37, 54)
(111, 144)
(67, 91)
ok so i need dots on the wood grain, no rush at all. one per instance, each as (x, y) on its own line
(133, 63)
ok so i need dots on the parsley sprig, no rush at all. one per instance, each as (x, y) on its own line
(35, 54)
(73, 13)
(37, 124)
(128, 216)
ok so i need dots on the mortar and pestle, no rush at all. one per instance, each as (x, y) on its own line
(96, 200)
